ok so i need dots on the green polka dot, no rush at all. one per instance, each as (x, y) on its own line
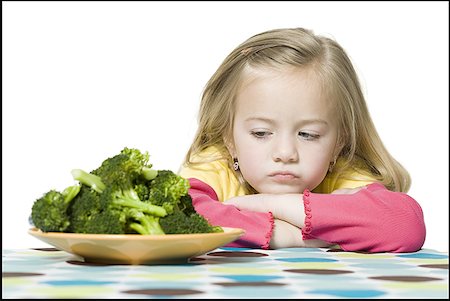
(314, 265)
(70, 291)
(416, 285)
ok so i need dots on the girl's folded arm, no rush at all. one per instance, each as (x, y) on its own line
(373, 219)
(258, 226)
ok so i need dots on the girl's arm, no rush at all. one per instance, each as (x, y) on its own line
(286, 235)
(258, 226)
(285, 207)
(261, 229)
(371, 219)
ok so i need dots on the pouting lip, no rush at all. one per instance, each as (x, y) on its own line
(283, 173)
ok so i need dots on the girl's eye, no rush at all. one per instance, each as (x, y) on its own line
(260, 134)
(308, 136)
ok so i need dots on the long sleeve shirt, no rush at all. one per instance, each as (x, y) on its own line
(374, 219)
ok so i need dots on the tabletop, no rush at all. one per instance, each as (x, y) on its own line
(230, 273)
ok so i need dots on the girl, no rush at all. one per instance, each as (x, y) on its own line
(286, 150)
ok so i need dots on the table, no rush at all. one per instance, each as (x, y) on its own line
(230, 273)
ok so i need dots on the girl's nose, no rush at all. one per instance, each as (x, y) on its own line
(285, 150)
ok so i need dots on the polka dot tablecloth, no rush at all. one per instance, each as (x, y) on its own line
(231, 273)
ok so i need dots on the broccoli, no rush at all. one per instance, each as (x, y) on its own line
(170, 191)
(124, 195)
(146, 224)
(83, 210)
(106, 210)
(180, 223)
(88, 179)
(126, 167)
(114, 182)
(104, 222)
(167, 189)
(50, 212)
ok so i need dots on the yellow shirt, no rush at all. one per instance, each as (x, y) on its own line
(223, 180)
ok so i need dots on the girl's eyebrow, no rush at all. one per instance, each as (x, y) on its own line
(264, 119)
(302, 121)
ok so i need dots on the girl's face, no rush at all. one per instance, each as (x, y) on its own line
(284, 133)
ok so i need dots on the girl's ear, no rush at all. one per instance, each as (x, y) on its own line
(229, 144)
(338, 148)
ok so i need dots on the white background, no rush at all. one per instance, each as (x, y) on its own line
(82, 80)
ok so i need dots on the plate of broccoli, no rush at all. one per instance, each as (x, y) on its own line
(136, 249)
(126, 212)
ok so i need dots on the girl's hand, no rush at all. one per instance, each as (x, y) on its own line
(347, 190)
(286, 207)
(286, 235)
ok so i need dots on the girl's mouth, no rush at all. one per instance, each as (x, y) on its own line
(283, 177)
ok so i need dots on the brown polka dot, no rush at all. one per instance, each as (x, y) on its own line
(17, 274)
(237, 254)
(335, 250)
(318, 271)
(163, 292)
(435, 266)
(249, 283)
(405, 278)
(46, 249)
(194, 259)
(339, 250)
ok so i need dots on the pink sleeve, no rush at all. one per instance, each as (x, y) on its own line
(258, 226)
(374, 220)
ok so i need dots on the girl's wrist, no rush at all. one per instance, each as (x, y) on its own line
(290, 209)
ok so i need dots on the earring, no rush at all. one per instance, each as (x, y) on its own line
(330, 168)
(235, 164)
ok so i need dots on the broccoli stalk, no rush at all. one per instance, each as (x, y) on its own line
(148, 173)
(129, 198)
(88, 179)
(148, 224)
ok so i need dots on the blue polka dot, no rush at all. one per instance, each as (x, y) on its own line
(349, 293)
(151, 284)
(233, 249)
(250, 278)
(256, 292)
(300, 250)
(423, 256)
(380, 266)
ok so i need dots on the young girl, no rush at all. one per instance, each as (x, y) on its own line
(286, 150)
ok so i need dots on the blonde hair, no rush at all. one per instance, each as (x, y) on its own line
(301, 48)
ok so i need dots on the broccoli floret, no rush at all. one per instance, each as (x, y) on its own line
(180, 223)
(170, 191)
(50, 212)
(126, 167)
(143, 191)
(167, 189)
(186, 206)
(107, 222)
(85, 206)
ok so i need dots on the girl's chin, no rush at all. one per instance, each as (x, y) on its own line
(280, 190)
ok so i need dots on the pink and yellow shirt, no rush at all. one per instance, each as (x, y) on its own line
(373, 219)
